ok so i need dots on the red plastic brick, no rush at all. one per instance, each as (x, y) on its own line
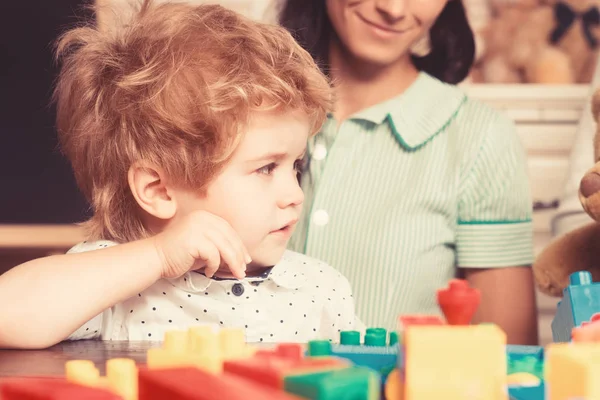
(594, 319)
(195, 384)
(270, 370)
(291, 351)
(50, 389)
(458, 302)
(409, 320)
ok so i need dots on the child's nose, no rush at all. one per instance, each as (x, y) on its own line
(292, 195)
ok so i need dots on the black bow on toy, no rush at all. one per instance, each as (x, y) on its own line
(565, 16)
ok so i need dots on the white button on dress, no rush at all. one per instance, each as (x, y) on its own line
(320, 217)
(320, 152)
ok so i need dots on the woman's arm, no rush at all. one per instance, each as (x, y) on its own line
(508, 300)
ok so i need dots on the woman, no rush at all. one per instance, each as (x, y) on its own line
(410, 182)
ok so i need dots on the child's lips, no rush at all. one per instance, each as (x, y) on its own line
(285, 230)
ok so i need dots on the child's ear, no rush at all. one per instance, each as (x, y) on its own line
(149, 188)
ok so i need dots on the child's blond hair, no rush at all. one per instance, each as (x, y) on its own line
(175, 89)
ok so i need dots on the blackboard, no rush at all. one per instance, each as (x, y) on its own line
(36, 183)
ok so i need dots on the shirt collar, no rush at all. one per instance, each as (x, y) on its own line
(424, 109)
(285, 274)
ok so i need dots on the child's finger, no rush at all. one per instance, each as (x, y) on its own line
(209, 257)
(230, 256)
(235, 240)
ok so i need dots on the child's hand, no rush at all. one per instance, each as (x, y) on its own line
(201, 240)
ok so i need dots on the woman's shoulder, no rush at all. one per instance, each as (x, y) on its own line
(452, 105)
(477, 120)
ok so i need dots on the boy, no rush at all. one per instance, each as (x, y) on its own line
(186, 131)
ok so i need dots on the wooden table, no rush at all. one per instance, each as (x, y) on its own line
(52, 361)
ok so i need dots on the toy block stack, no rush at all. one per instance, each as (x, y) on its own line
(427, 357)
(378, 351)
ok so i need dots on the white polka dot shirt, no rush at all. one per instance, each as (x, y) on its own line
(297, 300)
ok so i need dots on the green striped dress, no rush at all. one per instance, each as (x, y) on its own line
(401, 194)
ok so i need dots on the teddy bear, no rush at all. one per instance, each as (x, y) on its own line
(541, 41)
(578, 250)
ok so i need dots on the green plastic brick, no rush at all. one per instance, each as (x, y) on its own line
(350, 338)
(319, 348)
(355, 383)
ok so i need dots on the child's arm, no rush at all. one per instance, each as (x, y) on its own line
(508, 300)
(45, 300)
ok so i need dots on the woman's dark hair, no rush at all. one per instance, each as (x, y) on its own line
(452, 42)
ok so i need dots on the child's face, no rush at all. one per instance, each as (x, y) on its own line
(258, 192)
(382, 32)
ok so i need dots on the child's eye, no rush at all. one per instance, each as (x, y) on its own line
(267, 169)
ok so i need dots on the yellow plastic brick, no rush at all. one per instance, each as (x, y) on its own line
(455, 363)
(122, 376)
(203, 340)
(176, 341)
(82, 372)
(233, 343)
(159, 358)
(572, 370)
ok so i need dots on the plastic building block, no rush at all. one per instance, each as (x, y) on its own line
(197, 384)
(536, 392)
(375, 339)
(572, 371)
(594, 318)
(587, 331)
(374, 354)
(378, 331)
(458, 302)
(319, 348)
(121, 374)
(522, 379)
(350, 338)
(350, 383)
(51, 389)
(525, 359)
(82, 372)
(381, 359)
(200, 347)
(455, 363)
(270, 369)
(581, 300)
(393, 389)
(404, 321)
(291, 351)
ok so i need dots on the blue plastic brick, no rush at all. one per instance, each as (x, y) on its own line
(377, 358)
(528, 359)
(581, 300)
(527, 392)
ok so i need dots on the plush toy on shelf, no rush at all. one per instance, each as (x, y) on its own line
(544, 42)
